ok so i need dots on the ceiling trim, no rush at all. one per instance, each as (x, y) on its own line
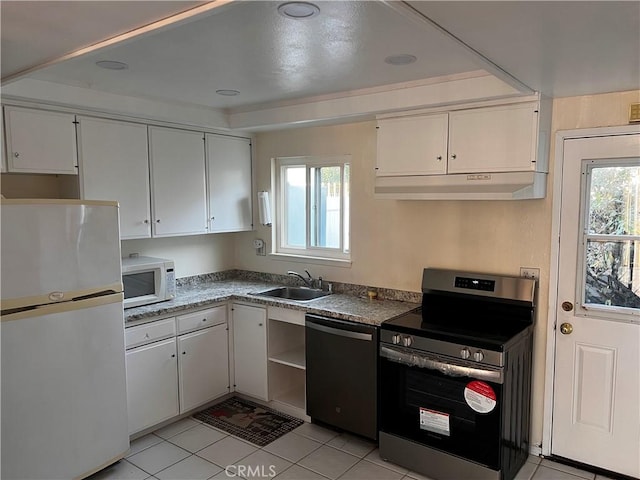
(95, 102)
(366, 106)
(408, 11)
(172, 20)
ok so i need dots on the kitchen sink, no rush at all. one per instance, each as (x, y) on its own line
(301, 294)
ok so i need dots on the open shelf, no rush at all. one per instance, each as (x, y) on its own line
(292, 358)
(294, 397)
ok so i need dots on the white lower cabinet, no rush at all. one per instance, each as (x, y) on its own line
(250, 350)
(152, 377)
(203, 365)
(167, 374)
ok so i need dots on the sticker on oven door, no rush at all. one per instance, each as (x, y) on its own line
(480, 396)
(434, 421)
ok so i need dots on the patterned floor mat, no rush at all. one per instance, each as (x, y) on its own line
(252, 422)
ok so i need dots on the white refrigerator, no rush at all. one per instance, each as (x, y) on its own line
(64, 401)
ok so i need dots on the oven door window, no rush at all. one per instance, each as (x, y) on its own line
(458, 415)
(140, 284)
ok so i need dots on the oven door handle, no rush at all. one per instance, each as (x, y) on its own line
(449, 369)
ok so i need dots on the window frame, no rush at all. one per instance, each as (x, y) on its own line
(340, 254)
(610, 312)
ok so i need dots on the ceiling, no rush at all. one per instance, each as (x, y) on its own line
(558, 48)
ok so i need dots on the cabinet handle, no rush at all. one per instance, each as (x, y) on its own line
(16, 154)
(173, 355)
(184, 353)
(439, 158)
(453, 156)
(213, 218)
(259, 324)
(204, 319)
(158, 221)
(146, 221)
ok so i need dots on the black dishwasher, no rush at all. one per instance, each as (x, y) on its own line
(342, 374)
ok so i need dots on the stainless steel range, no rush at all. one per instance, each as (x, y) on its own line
(455, 378)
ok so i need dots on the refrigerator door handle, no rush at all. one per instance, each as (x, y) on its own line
(92, 301)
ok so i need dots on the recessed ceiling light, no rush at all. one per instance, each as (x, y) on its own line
(112, 65)
(401, 59)
(228, 93)
(298, 10)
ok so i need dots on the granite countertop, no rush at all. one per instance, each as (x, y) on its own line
(204, 294)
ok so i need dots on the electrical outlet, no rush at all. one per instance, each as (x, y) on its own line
(530, 272)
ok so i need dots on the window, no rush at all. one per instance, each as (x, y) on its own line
(312, 206)
(611, 236)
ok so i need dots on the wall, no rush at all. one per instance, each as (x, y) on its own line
(193, 255)
(393, 240)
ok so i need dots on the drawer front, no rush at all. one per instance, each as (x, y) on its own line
(150, 332)
(202, 319)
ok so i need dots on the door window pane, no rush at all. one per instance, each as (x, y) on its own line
(612, 236)
(613, 273)
(613, 202)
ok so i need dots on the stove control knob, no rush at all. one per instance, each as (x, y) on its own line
(407, 341)
(395, 339)
(478, 356)
(465, 353)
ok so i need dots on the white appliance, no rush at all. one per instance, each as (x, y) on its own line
(147, 280)
(64, 400)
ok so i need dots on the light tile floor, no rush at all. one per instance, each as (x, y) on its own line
(191, 450)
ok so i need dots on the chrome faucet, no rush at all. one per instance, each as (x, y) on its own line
(307, 281)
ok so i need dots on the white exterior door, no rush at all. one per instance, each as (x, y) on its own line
(596, 418)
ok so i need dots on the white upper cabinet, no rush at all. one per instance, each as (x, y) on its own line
(477, 140)
(229, 183)
(178, 182)
(40, 141)
(493, 139)
(415, 145)
(114, 165)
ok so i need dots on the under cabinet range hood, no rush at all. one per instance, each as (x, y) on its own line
(483, 186)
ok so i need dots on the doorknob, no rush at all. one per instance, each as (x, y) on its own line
(567, 306)
(566, 328)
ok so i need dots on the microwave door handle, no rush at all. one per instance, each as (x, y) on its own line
(449, 369)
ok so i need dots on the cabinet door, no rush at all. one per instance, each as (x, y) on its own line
(203, 364)
(114, 165)
(152, 384)
(412, 145)
(177, 182)
(250, 350)
(493, 139)
(39, 141)
(229, 182)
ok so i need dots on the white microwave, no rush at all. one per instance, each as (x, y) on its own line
(147, 280)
